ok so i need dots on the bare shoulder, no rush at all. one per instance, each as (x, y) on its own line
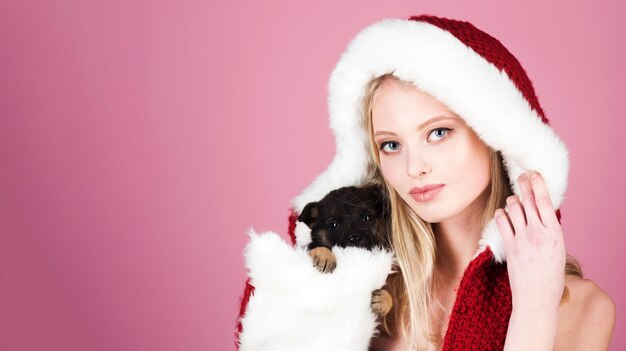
(587, 319)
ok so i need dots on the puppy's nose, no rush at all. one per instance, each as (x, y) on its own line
(354, 238)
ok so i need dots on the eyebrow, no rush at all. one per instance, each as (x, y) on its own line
(432, 120)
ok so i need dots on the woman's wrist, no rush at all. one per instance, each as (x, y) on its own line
(532, 327)
(536, 304)
(543, 313)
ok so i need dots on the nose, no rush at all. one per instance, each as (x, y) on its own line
(417, 165)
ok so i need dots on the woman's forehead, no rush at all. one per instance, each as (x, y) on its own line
(406, 104)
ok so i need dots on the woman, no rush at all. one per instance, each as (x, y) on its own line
(444, 150)
(445, 117)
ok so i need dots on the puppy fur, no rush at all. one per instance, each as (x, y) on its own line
(349, 216)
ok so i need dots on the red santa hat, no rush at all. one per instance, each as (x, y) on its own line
(466, 69)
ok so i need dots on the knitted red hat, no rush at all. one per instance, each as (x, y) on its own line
(479, 79)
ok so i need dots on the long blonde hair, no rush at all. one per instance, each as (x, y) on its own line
(414, 242)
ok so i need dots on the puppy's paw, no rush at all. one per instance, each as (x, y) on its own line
(323, 259)
(381, 302)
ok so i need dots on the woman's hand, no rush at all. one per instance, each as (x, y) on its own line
(535, 255)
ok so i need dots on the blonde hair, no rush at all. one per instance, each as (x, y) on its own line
(414, 242)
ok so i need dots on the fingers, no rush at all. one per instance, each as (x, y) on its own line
(535, 206)
(543, 201)
(515, 211)
(528, 199)
(504, 226)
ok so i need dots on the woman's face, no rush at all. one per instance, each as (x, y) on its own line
(421, 142)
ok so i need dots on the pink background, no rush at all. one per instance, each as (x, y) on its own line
(139, 140)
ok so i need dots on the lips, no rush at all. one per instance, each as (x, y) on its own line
(426, 193)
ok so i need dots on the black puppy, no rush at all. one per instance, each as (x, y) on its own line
(349, 216)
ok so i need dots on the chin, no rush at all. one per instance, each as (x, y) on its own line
(431, 212)
(432, 219)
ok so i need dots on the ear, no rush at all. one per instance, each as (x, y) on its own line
(309, 214)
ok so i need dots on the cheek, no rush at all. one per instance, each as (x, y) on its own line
(473, 168)
(392, 169)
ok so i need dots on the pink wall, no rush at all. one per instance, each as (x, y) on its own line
(139, 140)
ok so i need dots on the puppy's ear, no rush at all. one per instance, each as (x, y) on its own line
(309, 214)
(379, 191)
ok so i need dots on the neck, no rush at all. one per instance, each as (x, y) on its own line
(457, 241)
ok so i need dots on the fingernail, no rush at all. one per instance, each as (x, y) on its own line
(533, 174)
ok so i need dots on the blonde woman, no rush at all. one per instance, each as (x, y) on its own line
(446, 118)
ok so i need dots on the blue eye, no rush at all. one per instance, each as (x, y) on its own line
(383, 144)
(444, 131)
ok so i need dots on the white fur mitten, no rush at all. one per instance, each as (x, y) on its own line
(296, 307)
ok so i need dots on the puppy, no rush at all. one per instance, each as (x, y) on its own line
(349, 216)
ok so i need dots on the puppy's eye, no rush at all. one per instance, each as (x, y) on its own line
(333, 224)
(366, 218)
